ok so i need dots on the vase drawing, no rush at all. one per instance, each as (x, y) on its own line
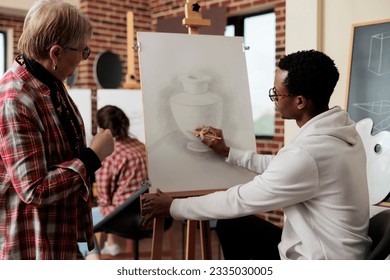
(194, 107)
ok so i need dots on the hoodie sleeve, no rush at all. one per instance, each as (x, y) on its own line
(291, 177)
(249, 160)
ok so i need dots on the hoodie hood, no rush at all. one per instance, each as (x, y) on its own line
(335, 122)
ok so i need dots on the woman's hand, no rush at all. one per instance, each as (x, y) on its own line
(103, 143)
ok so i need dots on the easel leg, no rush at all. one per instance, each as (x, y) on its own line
(191, 239)
(157, 240)
(205, 240)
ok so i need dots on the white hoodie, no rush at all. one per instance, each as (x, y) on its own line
(320, 182)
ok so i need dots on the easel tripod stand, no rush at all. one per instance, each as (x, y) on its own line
(193, 21)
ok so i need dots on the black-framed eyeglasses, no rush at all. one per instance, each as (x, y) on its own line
(274, 95)
(85, 52)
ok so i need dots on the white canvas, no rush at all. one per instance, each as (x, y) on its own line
(82, 98)
(130, 101)
(167, 62)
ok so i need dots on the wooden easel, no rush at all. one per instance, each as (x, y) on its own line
(193, 18)
(204, 226)
(193, 21)
(131, 82)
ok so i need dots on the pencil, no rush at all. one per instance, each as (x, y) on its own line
(211, 136)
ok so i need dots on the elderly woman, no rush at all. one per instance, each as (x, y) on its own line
(45, 165)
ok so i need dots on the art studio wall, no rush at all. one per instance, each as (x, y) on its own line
(301, 24)
(109, 19)
(326, 25)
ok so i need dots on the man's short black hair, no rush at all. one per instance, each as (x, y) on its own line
(312, 74)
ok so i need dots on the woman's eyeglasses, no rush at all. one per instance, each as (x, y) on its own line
(85, 52)
(274, 95)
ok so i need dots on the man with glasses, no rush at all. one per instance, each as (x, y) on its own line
(319, 179)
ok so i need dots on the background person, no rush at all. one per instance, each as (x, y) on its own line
(45, 166)
(119, 177)
(319, 179)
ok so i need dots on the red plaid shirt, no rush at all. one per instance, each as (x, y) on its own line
(44, 193)
(121, 174)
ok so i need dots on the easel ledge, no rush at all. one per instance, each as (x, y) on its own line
(184, 194)
(192, 226)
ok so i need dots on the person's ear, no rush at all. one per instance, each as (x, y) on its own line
(55, 53)
(301, 102)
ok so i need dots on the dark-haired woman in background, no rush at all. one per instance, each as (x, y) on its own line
(121, 173)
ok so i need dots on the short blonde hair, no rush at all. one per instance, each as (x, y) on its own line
(52, 22)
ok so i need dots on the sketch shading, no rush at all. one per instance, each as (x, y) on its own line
(188, 81)
(195, 107)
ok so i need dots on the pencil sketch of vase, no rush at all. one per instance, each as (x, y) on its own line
(194, 107)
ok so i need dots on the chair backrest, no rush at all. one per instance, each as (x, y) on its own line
(379, 232)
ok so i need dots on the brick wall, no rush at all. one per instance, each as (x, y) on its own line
(110, 34)
(16, 24)
(109, 19)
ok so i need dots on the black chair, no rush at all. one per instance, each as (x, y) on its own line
(126, 221)
(379, 231)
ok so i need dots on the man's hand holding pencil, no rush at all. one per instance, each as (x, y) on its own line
(213, 138)
(207, 132)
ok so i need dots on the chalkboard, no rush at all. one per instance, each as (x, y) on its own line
(369, 74)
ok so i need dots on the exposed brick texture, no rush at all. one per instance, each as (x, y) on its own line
(16, 24)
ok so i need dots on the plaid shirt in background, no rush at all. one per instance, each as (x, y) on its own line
(44, 193)
(121, 174)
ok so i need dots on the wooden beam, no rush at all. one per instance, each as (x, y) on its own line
(131, 82)
(193, 18)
